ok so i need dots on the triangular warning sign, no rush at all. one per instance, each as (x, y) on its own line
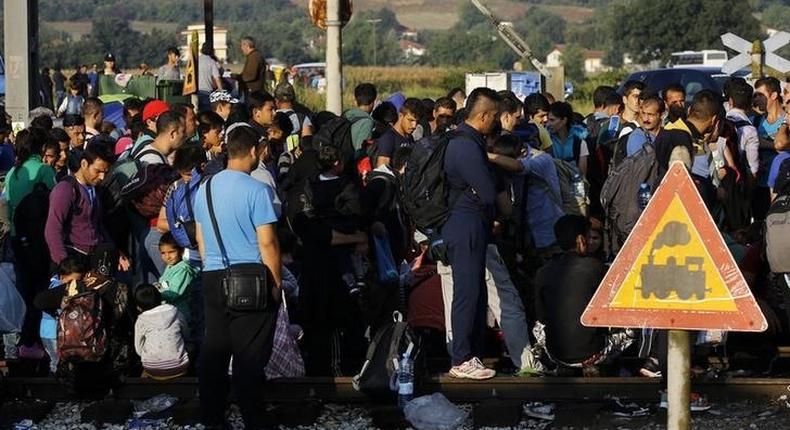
(674, 270)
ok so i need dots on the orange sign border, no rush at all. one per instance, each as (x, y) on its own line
(748, 317)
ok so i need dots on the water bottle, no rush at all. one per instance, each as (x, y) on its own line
(405, 379)
(643, 195)
(578, 187)
(580, 192)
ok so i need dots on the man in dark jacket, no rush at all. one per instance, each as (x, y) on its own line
(252, 76)
(467, 231)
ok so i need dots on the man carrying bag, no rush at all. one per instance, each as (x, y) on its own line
(236, 234)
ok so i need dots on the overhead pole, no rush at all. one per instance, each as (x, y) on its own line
(208, 22)
(334, 66)
(21, 59)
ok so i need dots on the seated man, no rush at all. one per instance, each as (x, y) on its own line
(563, 287)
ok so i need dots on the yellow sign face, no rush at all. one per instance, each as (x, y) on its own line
(674, 270)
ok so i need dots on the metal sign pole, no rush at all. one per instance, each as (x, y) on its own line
(334, 74)
(679, 381)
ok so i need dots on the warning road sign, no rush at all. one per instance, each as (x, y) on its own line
(674, 271)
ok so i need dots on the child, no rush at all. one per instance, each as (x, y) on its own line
(178, 275)
(70, 269)
(72, 104)
(159, 335)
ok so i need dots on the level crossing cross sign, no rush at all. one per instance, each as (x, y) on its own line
(674, 270)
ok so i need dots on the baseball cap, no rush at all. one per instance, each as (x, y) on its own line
(109, 57)
(154, 108)
(222, 96)
(285, 91)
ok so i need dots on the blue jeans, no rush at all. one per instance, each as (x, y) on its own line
(51, 346)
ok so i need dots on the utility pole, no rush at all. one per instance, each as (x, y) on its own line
(208, 22)
(375, 40)
(21, 59)
(334, 67)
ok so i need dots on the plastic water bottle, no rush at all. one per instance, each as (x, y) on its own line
(580, 192)
(578, 187)
(643, 195)
(405, 379)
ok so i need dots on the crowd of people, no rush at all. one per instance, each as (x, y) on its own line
(169, 246)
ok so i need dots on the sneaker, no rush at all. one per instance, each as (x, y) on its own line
(472, 369)
(651, 369)
(541, 411)
(628, 410)
(698, 402)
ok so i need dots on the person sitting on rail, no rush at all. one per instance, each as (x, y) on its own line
(564, 286)
(159, 335)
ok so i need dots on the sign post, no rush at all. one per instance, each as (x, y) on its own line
(675, 272)
(758, 54)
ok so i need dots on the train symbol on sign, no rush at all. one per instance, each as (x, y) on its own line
(687, 280)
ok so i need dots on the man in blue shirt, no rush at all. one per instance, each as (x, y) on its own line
(247, 225)
(767, 128)
(467, 231)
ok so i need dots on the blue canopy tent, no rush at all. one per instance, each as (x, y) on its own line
(113, 108)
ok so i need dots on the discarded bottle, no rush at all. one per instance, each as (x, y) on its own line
(643, 195)
(580, 192)
(405, 379)
(23, 425)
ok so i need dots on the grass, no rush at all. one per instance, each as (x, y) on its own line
(420, 82)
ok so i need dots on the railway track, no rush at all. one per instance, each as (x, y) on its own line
(340, 390)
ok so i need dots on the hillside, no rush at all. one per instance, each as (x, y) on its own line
(443, 14)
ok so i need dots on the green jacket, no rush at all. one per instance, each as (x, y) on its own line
(176, 280)
(20, 180)
(361, 126)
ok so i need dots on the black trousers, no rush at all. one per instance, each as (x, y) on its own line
(32, 277)
(247, 336)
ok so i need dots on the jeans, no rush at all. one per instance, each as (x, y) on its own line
(148, 264)
(504, 304)
(51, 346)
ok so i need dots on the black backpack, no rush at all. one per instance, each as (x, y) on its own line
(337, 132)
(378, 377)
(424, 187)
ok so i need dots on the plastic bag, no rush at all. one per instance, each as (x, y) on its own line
(384, 260)
(158, 403)
(434, 412)
(12, 307)
(286, 360)
(711, 337)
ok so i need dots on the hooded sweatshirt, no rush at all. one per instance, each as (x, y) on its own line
(159, 341)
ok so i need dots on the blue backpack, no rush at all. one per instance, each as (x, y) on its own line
(180, 213)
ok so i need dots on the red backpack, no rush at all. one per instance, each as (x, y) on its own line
(147, 189)
(81, 332)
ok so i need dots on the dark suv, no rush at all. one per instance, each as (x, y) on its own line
(693, 80)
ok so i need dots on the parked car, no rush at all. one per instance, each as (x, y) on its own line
(693, 80)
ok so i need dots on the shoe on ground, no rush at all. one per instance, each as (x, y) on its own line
(698, 402)
(651, 369)
(541, 411)
(621, 408)
(472, 369)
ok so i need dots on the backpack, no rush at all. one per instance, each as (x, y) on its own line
(337, 132)
(179, 210)
(147, 189)
(570, 204)
(619, 195)
(378, 377)
(777, 235)
(121, 173)
(81, 332)
(620, 148)
(424, 187)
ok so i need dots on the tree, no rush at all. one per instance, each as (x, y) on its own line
(777, 16)
(573, 61)
(653, 30)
